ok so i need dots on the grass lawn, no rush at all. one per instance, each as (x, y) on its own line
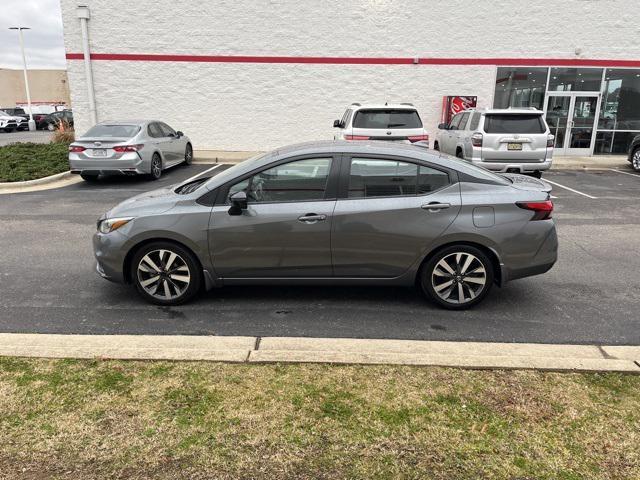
(136, 420)
(28, 161)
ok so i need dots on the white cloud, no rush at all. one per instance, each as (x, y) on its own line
(43, 44)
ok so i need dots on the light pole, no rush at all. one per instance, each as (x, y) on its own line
(32, 124)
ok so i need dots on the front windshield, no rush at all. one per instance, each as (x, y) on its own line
(237, 169)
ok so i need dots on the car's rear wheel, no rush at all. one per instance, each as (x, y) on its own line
(188, 154)
(88, 177)
(436, 146)
(165, 273)
(536, 174)
(156, 167)
(51, 127)
(459, 153)
(635, 159)
(457, 277)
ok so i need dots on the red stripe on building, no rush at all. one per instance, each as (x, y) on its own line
(525, 62)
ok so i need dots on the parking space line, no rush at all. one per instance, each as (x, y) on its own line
(202, 173)
(570, 189)
(625, 173)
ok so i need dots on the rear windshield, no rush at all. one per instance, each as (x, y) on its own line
(114, 131)
(514, 124)
(387, 118)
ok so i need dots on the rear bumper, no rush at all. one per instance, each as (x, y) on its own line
(544, 259)
(128, 164)
(514, 166)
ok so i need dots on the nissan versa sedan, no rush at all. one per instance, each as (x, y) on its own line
(129, 148)
(333, 213)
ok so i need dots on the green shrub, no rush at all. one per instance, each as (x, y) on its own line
(28, 161)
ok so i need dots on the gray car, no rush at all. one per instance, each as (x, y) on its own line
(333, 213)
(129, 148)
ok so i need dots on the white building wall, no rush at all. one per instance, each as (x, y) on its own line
(249, 106)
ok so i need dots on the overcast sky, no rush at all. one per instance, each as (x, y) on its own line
(43, 44)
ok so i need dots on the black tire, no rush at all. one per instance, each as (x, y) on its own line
(472, 292)
(8, 130)
(51, 127)
(88, 177)
(459, 154)
(183, 257)
(188, 154)
(635, 159)
(436, 147)
(537, 174)
(156, 167)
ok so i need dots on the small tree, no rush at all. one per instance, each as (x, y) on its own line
(63, 133)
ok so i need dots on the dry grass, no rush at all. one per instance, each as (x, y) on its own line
(137, 420)
(64, 133)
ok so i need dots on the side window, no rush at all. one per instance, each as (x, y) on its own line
(290, 182)
(345, 118)
(154, 130)
(463, 121)
(455, 121)
(430, 180)
(167, 131)
(372, 177)
(475, 121)
(348, 119)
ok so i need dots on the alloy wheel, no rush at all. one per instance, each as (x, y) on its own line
(156, 167)
(459, 277)
(163, 274)
(188, 155)
(635, 161)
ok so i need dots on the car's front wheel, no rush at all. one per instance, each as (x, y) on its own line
(156, 167)
(165, 273)
(457, 277)
(635, 159)
(51, 127)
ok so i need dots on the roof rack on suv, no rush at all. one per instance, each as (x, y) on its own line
(407, 103)
(357, 104)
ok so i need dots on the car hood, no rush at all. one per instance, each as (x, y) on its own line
(148, 203)
(10, 117)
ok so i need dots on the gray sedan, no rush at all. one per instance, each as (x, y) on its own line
(334, 213)
(129, 148)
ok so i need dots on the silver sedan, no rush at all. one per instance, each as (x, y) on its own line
(134, 147)
(334, 213)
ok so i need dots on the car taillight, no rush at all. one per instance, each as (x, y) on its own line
(127, 148)
(476, 139)
(542, 209)
(76, 149)
(356, 137)
(550, 139)
(418, 138)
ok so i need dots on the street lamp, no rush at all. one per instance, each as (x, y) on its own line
(32, 124)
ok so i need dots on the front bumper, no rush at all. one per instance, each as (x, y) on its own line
(110, 254)
(128, 164)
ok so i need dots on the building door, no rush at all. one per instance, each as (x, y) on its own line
(572, 120)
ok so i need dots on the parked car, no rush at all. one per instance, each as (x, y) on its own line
(38, 118)
(502, 140)
(52, 121)
(130, 148)
(381, 122)
(9, 123)
(333, 213)
(634, 153)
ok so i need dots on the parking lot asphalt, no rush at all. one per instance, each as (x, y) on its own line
(48, 282)
(39, 136)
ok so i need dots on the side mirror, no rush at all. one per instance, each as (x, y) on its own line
(238, 203)
(179, 134)
(443, 126)
(337, 124)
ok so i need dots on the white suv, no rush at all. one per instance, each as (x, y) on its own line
(503, 140)
(399, 122)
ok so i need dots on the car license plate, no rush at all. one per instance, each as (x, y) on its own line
(99, 152)
(514, 146)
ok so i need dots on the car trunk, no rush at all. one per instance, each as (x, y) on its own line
(524, 182)
(100, 147)
(514, 137)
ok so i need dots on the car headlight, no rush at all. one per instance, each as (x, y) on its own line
(109, 225)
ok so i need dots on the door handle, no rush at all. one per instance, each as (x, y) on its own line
(435, 206)
(312, 218)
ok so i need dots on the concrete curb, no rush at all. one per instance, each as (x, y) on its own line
(38, 181)
(478, 355)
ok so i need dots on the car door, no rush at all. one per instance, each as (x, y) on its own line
(285, 230)
(389, 212)
(457, 135)
(160, 142)
(175, 145)
(450, 135)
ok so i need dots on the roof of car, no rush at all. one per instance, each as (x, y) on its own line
(524, 110)
(126, 122)
(398, 106)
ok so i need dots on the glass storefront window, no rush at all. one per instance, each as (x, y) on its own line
(613, 143)
(620, 107)
(520, 87)
(575, 79)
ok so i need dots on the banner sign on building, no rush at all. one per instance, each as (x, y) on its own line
(452, 104)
